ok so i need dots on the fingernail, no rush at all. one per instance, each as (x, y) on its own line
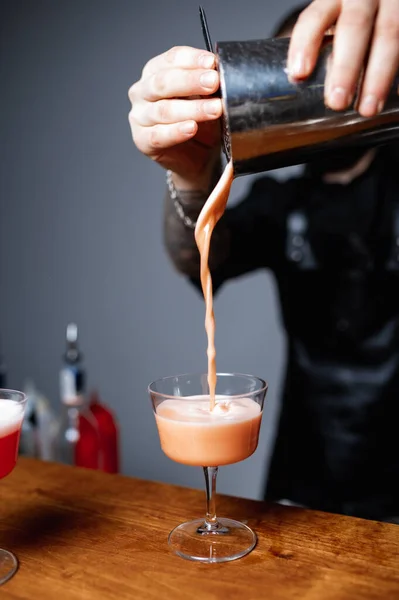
(338, 98)
(370, 106)
(212, 107)
(187, 127)
(207, 61)
(208, 80)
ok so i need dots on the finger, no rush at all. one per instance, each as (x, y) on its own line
(327, 83)
(148, 114)
(307, 36)
(182, 57)
(351, 41)
(172, 83)
(383, 62)
(152, 140)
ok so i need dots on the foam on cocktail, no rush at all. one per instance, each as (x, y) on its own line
(193, 434)
(195, 409)
(11, 415)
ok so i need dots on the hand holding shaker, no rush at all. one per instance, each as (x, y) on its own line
(269, 122)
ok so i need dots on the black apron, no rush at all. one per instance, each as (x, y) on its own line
(337, 445)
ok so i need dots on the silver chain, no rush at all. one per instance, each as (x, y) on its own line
(177, 204)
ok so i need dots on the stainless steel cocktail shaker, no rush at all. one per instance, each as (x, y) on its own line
(270, 122)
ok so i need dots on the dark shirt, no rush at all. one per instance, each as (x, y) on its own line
(334, 252)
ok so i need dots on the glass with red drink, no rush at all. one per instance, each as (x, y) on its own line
(12, 407)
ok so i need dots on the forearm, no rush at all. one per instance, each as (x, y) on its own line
(179, 237)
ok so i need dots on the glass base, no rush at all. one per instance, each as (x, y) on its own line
(227, 541)
(8, 565)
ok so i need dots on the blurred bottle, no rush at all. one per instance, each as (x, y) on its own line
(108, 433)
(28, 443)
(78, 436)
(38, 429)
(39, 426)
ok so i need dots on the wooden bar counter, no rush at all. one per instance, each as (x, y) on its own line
(85, 535)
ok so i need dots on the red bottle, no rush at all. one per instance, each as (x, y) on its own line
(87, 449)
(108, 432)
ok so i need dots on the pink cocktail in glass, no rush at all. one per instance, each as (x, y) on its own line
(193, 431)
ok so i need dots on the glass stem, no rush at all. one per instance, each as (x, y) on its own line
(210, 473)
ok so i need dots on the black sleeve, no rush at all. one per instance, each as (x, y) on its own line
(256, 226)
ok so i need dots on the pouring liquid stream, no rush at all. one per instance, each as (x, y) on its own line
(210, 214)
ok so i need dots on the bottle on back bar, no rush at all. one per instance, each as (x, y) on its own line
(109, 434)
(78, 440)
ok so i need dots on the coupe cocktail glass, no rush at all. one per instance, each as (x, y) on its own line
(192, 434)
(12, 407)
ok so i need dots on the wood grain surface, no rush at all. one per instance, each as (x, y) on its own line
(85, 535)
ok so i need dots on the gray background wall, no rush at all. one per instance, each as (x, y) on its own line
(80, 221)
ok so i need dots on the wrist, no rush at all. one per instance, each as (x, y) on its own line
(197, 184)
(201, 182)
(190, 200)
